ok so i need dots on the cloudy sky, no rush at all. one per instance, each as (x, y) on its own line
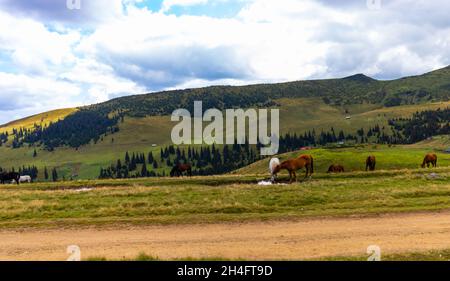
(52, 56)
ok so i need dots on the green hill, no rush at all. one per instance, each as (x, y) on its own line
(39, 119)
(85, 139)
(353, 159)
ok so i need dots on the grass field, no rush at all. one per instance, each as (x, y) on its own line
(94, 207)
(220, 198)
(353, 159)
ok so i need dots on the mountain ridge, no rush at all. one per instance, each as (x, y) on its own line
(92, 122)
(356, 78)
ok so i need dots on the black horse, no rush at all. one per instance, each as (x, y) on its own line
(8, 177)
(178, 169)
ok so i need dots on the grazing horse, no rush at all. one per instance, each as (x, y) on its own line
(430, 158)
(25, 178)
(8, 177)
(292, 165)
(370, 163)
(274, 162)
(178, 169)
(336, 169)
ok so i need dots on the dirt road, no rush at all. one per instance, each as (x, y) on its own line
(302, 239)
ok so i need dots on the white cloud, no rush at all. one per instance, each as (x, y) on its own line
(113, 48)
(32, 46)
(44, 71)
(99, 81)
(28, 94)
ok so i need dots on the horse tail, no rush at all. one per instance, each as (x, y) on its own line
(312, 165)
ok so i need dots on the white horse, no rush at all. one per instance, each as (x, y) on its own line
(25, 179)
(274, 162)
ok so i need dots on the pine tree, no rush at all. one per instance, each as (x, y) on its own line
(144, 172)
(150, 158)
(54, 175)
(127, 158)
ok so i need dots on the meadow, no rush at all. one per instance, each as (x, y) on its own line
(397, 187)
(353, 158)
(221, 199)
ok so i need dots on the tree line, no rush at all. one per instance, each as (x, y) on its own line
(422, 125)
(33, 172)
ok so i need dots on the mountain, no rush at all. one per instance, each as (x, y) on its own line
(80, 141)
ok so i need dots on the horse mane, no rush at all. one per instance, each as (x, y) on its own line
(274, 162)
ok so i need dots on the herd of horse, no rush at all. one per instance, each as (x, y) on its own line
(296, 164)
(307, 162)
(13, 177)
(275, 166)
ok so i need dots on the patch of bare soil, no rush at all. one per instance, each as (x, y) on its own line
(291, 240)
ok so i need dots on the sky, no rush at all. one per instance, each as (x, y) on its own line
(57, 54)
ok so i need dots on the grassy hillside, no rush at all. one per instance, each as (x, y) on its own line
(437, 142)
(353, 159)
(38, 119)
(139, 134)
(346, 104)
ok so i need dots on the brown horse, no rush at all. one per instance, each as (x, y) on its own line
(293, 165)
(430, 158)
(179, 169)
(370, 163)
(336, 169)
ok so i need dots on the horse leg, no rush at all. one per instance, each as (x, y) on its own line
(290, 177)
(272, 179)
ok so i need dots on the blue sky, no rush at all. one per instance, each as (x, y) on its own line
(53, 57)
(218, 9)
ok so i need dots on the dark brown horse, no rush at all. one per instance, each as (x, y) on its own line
(336, 169)
(430, 158)
(179, 169)
(293, 165)
(370, 163)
